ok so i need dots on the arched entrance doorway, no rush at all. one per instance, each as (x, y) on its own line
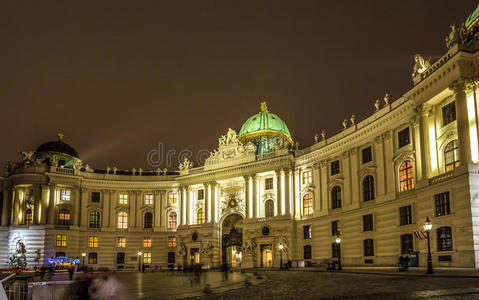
(232, 240)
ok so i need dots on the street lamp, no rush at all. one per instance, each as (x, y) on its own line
(139, 260)
(427, 227)
(83, 258)
(280, 256)
(338, 242)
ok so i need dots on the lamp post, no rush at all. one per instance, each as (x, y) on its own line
(338, 242)
(139, 260)
(427, 227)
(280, 256)
(83, 259)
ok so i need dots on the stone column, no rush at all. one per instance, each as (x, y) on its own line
(183, 205)
(380, 182)
(389, 174)
(83, 204)
(6, 206)
(105, 200)
(157, 209)
(287, 192)
(247, 198)
(132, 205)
(213, 201)
(139, 204)
(16, 205)
(163, 201)
(459, 88)
(255, 195)
(324, 184)
(189, 203)
(207, 204)
(297, 192)
(279, 193)
(421, 134)
(317, 188)
(51, 205)
(37, 197)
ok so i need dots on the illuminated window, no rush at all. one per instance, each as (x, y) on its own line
(94, 219)
(28, 217)
(200, 216)
(123, 198)
(148, 222)
(172, 241)
(64, 217)
(172, 220)
(147, 258)
(269, 208)
(336, 228)
(307, 177)
(406, 180)
(92, 258)
(268, 184)
(149, 199)
(61, 240)
(451, 156)
(93, 242)
(147, 242)
(336, 197)
(448, 113)
(308, 204)
(201, 194)
(121, 242)
(173, 199)
(368, 188)
(122, 220)
(65, 195)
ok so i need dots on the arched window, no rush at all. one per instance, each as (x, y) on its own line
(122, 220)
(200, 216)
(172, 220)
(406, 243)
(148, 222)
(308, 204)
(269, 208)
(94, 219)
(28, 217)
(444, 239)
(336, 197)
(368, 188)
(64, 217)
(451, 156)
(406, 178)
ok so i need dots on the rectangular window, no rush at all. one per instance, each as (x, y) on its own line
(444, 239)
(147, 242)
(123, 198)
(95, 197)
(93, 242)
(60, 254)
(92, 258)
(121, 242)
(268, 184)
(171, 257)
(120, 258)
(448, 113)
(368, 247)
(172, 241)
(172, 199)
(307, 252)
(148, 199)
(403, 137)
(336, 228)
(307, 177)
(443, 206)
(147, 258)
(65, 195)
(368, 222)
(335, 167)
(367, 154)
(61, 240)
(307, 232)
(201, 194)
(405, 215)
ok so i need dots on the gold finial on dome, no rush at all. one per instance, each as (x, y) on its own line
(60, 136)
(263, 106)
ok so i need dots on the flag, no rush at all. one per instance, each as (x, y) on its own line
(420, 235)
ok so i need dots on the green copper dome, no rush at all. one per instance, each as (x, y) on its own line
(264, 129)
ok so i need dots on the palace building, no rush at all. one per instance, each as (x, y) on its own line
(259, 199)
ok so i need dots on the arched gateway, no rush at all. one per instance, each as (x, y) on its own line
(232, 240)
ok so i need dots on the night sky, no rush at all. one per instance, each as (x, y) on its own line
(117, 79)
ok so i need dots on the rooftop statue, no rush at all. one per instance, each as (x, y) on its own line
(185, 165)
(421, 65)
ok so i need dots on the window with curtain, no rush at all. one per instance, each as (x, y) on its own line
(172, 220)
(122, 220)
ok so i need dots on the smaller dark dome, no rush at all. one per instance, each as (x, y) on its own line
(58, 146)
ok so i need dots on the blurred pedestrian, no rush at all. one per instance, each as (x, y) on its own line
(225, 270)
(70, 272)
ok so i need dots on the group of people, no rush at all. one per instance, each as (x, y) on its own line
(403, 263)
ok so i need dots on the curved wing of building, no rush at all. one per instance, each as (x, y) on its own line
(259, 199)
